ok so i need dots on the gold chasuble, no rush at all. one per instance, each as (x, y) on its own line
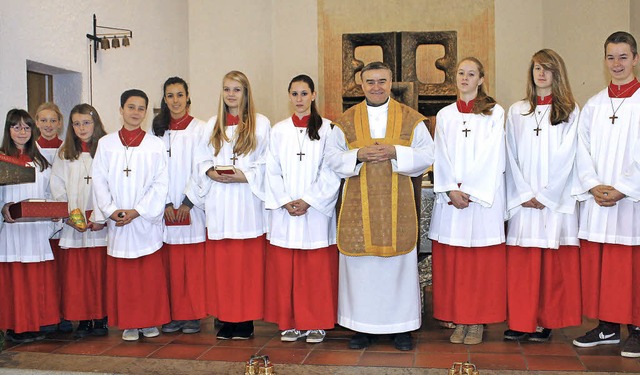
(378, 212)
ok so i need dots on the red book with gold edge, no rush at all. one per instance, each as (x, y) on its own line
(37, 210)
(185, 221)
(225, 169)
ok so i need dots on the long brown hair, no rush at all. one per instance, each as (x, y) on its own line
(483, 103)
(72, 146)
(245, 135)
(315, 121)
(563, 101)
(9, 148)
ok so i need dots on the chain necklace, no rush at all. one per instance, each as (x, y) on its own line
(126, 148)
(538, 122)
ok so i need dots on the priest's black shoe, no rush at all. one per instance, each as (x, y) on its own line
(403, 341)
(361, 340)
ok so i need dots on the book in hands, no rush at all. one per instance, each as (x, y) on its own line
(225, 169)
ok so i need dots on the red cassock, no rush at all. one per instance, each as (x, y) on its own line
(301, 287)
(471, 287)
(235, 278)
(30, 295)
(610, 282)
(185, 269)
(137, 295)
(543, 288)
(83, 273)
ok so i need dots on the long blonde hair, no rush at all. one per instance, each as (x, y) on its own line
(563, 102)
(245, 140)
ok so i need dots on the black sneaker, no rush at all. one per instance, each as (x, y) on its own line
(512, 335)
(631, 348)
(100, 327)
(65, 326)
(243, 330)
(226, 331)
(540, 335)
(604, 334)
(19, 338)
(85, 327)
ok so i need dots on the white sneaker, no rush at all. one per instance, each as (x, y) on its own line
(150, 332)
(291, 335)
(315, 336)
(130, 335)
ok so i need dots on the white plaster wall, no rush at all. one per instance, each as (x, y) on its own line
(270, 41)
(53, 33)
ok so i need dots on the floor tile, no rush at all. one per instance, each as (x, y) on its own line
(86, 347)
(611, 363)
(132, 349)
(441, 347)
(495, 347)
(196, 339)
(493, 361)
(387, 359)
(548, 348)
(553, 363)
(333, 357)
(333, 344)
(227, 354)
(254, 342)
(179, 351)
(285, 355)
(439, 360)
(44, 346)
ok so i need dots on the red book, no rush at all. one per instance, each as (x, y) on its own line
(225, 169)
(37, 210)
(186, 221)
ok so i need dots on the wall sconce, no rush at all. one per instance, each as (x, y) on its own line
(101, 39)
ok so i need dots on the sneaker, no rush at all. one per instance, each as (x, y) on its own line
(19, 338)
(84, 329)
(604, 334)
(243, 330)
(150, 332)
(100, 327)
(191, 326)
(173, 326)
(474, 334)
(540, 335)
(65, 326)
(130, 335)
(631, 348)
(291, 335)
(457, 337)
(512, 335)
(226, 331)
(315, 336)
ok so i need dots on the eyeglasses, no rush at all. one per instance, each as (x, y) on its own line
(78, 124)
(17, 128)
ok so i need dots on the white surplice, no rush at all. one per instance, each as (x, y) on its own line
(26, 242)
(234, 210)
(69, 183)
(145, 190)
(540, 166)
(50, 155)
(182, 144)
(609, 154)
(380, 295)
(290, 177)
(472, 162)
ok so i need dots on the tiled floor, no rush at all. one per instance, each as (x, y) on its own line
(432, 350)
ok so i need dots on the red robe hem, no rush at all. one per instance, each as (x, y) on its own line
(185, 268)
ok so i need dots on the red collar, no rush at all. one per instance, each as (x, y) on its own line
(544, 101)
(181, 123)
(131, 138)
(85, 146)
(624, 91)
(232, 120)
(465, 107)
(300, 122)
(46, 143)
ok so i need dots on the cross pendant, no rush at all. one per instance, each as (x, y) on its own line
(466, 132)
(537, 130)
(300, 154)
(87, 178)
(126, 171)
(613, 118)
(233, 159)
